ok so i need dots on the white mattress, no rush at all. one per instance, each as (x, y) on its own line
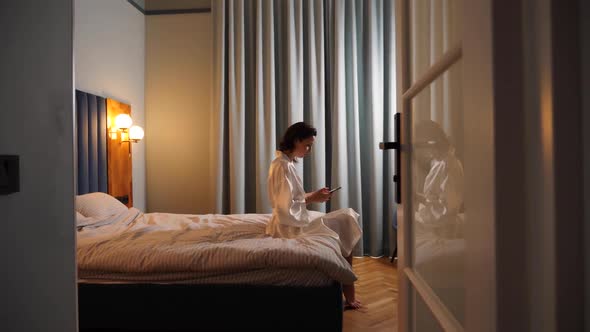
(173, 248)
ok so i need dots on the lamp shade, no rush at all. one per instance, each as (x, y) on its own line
(136, 133)
(123, 121)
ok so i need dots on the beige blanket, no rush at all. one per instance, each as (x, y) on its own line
(201, 245)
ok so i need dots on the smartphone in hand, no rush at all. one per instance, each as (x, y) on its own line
(335, 189)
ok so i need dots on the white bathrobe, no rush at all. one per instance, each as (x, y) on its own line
(443, 193)
(439, 244)
(290, 216)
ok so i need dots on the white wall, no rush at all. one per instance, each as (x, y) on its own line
(109, 56)
(178, 108)
(37, 239)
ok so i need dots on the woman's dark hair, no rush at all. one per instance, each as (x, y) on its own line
(430, 131)
(297, 131)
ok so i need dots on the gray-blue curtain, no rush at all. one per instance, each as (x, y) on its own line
(91, 133)
(330, 63)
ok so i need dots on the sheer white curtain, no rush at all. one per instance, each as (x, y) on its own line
(327, 62)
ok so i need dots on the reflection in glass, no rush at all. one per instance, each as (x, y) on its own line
(440, 197)
(435, 28)
(424, 320)
(437, 181)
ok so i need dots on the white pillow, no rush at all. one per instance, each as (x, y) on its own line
(79, 217)
(98, 205)
(84, 221)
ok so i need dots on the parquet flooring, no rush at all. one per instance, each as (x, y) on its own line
(376, 288)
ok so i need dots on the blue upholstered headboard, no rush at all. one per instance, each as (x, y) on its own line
(91, 131)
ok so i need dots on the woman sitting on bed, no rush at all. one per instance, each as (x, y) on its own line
(290, 216)
(440, 198)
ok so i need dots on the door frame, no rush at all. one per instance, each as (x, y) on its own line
(521, 62)
(407, 90)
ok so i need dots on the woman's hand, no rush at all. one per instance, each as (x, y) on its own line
(318, 196)
(419, 198)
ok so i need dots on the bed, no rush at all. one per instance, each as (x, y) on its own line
(175, 272)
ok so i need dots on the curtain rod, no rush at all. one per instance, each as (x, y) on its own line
(169, 11)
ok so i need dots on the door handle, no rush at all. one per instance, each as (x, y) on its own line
(397, 147)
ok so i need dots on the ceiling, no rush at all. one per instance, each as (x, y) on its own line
(163, 6)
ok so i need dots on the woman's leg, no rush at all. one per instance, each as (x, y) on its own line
(349, 291)
(344, 224)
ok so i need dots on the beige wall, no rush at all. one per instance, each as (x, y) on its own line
(109, 62)
(178, 107)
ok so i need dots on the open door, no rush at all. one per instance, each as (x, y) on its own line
(437, 235)
(491, 213)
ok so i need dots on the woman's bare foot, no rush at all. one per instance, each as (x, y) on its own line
(351, 302)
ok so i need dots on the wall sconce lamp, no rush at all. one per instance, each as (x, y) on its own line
(129, 133)
(135, 134)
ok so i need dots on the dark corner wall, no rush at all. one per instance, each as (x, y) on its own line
(584, 37)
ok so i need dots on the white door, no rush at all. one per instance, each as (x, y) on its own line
(446, 213)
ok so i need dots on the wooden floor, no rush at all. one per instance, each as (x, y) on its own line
(376, 288)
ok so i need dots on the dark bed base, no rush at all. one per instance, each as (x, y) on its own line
(155, 307)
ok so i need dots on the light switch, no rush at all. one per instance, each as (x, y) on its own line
(9, 175)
